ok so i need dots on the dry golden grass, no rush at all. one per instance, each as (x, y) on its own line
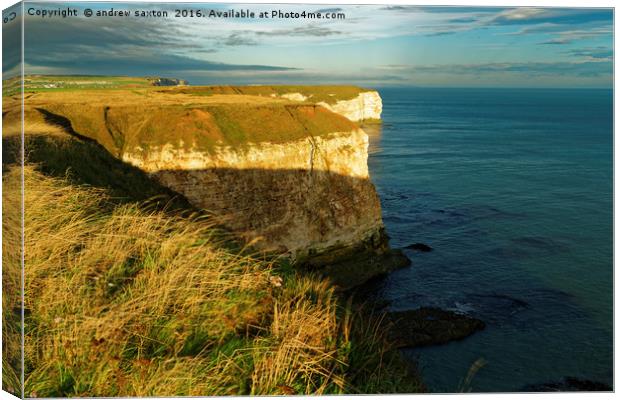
(126, 302)
(11, 286)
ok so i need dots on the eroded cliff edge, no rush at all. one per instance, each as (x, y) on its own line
(286, 175)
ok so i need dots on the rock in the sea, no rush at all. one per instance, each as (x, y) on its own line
(363, 266)
(569, 384)
(419, 247)
(430, 326)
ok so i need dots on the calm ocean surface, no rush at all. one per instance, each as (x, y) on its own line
(513, 190)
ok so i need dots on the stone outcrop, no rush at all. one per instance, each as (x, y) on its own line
(428, 326)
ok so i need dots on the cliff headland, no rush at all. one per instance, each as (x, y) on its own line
(283, 167)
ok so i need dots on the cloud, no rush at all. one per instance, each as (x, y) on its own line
(566, 16)
(441, 21)
(441, 33)
(292, 77)
(187, 48)
(395, 67)
(11, 48)
(598, 53)
(576, 68)
(458, 10)
(400, 8)
(571, 36)
(310, 30)
(238, 39)
(545, 27)
(462, 20)
(562, 26)
(517, 15)
(110, 62)
(330, 10)
(112, 46)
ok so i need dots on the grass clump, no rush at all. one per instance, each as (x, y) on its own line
(123, 300)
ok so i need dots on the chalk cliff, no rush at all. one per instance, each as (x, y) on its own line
(355, 103)
(287, 176)
(366, 106)
(301, 197)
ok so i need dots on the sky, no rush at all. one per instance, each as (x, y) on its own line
(374, 45)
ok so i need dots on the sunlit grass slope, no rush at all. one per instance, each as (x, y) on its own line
(121, 128)
(124, 299)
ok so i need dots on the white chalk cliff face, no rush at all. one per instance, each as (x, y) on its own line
(366, 106)
(301, 198)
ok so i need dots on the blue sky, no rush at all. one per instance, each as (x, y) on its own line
(373, 46)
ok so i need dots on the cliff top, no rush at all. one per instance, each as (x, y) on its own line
(329, 94)
(123, 113)
(41, 83)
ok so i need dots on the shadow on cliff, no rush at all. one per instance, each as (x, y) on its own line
(332, 220)
(84, 162)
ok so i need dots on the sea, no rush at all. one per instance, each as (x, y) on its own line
(513, 190)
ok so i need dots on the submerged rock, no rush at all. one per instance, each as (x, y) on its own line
(428, 326)
(353, 266)
(419, 247)
(569, 384)
(363, 267)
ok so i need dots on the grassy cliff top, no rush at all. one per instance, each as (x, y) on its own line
(203, 127)
(203, 117)
(41, 83)
(329, 94)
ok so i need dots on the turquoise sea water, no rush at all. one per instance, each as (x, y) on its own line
(513, 190)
